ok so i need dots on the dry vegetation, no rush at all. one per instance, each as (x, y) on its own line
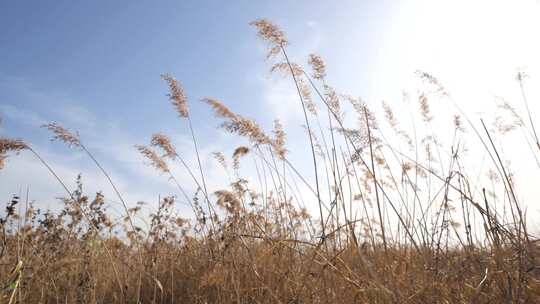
(394, 217)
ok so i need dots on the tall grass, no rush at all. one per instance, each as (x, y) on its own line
(400, 216)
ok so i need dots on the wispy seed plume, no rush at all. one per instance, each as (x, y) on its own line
(164, 142)
(238, 124)
(318, 66)
(458, 123)
(298, 73)
(221, 159)
(10, 145)
(177, 95)
(439, 88)
(220, 109)
(238, 153)
(278, 143)
(227, 200)
(332, 99)
(424, 108)
(272, 34)
(63, 134)
(156, 161)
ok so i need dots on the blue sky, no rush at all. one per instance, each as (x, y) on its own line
(107, 56)
(94, 66)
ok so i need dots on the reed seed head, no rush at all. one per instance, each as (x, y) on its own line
(228, 200)
(439, 88)
(272, 34)
(220, 109)
(10, 145)
(177, 95)
(332, 99)
(318, 66)
(238, 153)
(238, 124)
(164, 142)
(156, 161)
(63, 134)
(278, 143)
(424, 108)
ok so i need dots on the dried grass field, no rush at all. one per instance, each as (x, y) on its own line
(389, 214)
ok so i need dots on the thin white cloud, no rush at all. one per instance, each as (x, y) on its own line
(21, 115)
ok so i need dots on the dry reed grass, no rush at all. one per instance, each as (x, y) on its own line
(393, 227)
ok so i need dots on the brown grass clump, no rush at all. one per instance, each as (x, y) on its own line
(393, 225)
